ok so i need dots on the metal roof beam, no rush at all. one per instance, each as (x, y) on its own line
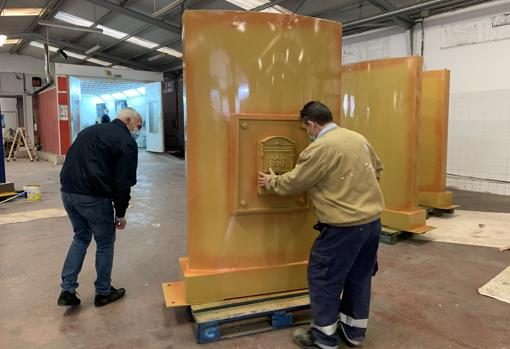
(49, 9)
(136, 15)
(402, 20)
(81, 50)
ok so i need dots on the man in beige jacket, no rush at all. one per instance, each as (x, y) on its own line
(340, 172)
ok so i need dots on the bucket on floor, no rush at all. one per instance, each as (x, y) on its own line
(33, 192)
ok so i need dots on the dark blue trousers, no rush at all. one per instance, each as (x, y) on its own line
(91, 217)
(342, 261)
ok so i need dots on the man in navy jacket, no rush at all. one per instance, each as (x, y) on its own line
(96, 179)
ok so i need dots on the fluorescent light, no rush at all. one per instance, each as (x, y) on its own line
(112, 32)
(141, 90)
(121, 67)
(18, 12)
(98, 61)
(11, 41)
(142, 42)
(118, 95)
(71, 54)
(92, 50)
(69, 18)
(97, 100)
(156, 57)
(106, 97)
(131, 93)
(251, 4)
(75, 55)
(69, 26)
(40, 45)
(170, 51)
(2, 39)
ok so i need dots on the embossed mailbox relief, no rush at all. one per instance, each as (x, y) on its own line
(260, 142)
(276, 153)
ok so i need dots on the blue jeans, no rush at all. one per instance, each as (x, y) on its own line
(91, 217)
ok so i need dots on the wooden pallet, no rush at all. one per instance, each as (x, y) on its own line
(250, 315)
(439, 212)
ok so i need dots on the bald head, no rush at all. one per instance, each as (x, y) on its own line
(131, 118)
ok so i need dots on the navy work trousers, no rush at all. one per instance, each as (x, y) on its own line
(342, 261)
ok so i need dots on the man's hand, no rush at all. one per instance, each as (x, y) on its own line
(120, 223)
(264, 178)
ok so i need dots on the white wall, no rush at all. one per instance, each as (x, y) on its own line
(21, 64)
(10, 113)
(479, 115)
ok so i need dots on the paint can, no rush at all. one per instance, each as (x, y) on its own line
(33, 192)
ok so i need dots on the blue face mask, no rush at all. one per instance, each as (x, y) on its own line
(135, 134)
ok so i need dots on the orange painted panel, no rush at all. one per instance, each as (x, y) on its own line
(434, 130)
(381, 101)
(258, 64)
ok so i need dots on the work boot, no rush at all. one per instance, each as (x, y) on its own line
(304, 338)
(352, 342)
(114, 295)
(67, 298)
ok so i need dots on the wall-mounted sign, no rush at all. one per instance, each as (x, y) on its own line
(108, 74)
(63, 114)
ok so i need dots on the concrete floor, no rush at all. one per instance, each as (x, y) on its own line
(424, 296)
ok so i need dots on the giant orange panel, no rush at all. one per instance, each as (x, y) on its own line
(246, 76)
(434, 139)
(381, 101)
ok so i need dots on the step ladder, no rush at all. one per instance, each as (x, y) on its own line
(21, 140)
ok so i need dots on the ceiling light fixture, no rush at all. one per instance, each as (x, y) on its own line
(153, 58)
(131, 93)
(71, 54)
(21, 12)
(92, 50)
(118, 95)
(11, 41)
(81, 22)
(106, 98)
(69, 26)
(251, 4)
(141, 90)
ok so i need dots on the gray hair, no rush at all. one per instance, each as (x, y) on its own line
(128, 113)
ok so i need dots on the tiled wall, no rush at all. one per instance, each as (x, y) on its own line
(479, 141)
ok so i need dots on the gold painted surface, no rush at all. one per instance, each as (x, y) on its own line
(433, 138)
(404, 220)
(381, 101)
(442, 200)
(248, 132)
(173, 292)
(259, 64)
(203, 286)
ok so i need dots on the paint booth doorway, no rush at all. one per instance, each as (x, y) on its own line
(91, 98)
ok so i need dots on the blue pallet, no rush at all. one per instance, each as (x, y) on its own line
(229, 321)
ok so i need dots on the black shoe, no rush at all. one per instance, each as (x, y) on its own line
(115, 295)
(304, 339)
(67, 298)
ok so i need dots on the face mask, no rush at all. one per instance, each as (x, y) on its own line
(312, 138)
(135, 134)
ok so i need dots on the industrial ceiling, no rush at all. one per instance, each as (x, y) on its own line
(146, 34)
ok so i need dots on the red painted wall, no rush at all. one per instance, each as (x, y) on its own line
(65, 127)
(47, 120)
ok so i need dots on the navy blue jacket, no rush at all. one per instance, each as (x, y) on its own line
(102, 162)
